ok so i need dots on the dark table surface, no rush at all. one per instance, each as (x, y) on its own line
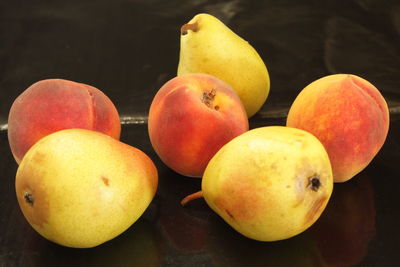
(129, 48)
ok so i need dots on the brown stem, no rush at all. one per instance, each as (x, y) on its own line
(208, 98)
(189, 26)
(190, 197)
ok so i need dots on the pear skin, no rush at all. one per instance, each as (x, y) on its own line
(81, 188)
(270, 183)
(208, 46)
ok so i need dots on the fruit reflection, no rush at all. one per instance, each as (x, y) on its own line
(140, 245)
(229, 248)
(344, 230)
(186, 232)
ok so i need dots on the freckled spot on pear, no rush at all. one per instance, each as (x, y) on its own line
(29, 198)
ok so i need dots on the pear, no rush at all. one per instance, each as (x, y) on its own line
(270, 183)
(208, 46)
(81, 188)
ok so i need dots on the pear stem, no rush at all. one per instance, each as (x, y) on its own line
(190, 197)
(189, 26)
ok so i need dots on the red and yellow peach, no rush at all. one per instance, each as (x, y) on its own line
(51, 105)
(348, 115)
(191, 117)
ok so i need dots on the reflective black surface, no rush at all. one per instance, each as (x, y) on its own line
(128, 49)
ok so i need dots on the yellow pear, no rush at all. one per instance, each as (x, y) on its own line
(270, 183)
(81, 188)
(208, 46)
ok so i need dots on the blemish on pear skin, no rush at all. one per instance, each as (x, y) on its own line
(38, 158)
(315, 209)
(29, 198)
(239, 199)
(229, 214)
(105, 180)
(314, 183)
(34, 204)
(31, 195)
(299, 134)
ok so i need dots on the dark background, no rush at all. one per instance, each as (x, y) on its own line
(128, 49)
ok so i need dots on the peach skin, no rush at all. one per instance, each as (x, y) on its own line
(51, 105)
(191, 117)
(348, 115)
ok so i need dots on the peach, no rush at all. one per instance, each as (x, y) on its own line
(51, 105)
(191, 117)
(348, 115)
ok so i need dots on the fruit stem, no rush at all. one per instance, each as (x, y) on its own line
(208, 98)
(189, 26)
(190, 197)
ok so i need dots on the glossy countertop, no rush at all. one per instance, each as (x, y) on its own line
(130, 48)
